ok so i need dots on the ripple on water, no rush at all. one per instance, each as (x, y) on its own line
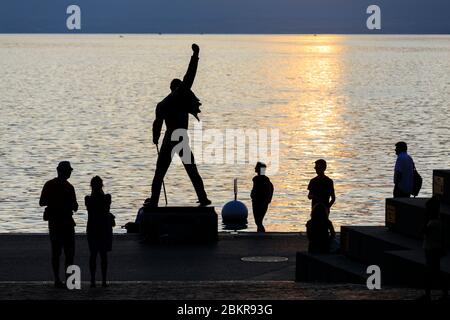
(91, 100)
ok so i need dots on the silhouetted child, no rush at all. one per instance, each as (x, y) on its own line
(434, 246)
(321, 188)
(320, 230)
(261, 195)
(99, 228)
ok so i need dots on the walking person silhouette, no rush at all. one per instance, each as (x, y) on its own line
(99, 228)
(174, 110)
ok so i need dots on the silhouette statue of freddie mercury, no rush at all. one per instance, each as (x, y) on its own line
(174, 110)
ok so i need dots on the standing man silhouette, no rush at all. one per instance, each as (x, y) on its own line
(261, 195)
(403, 172)
(321, 188)
(174, 110)
(58, 195)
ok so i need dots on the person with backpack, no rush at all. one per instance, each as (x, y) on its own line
(261, 195)
(404, 173)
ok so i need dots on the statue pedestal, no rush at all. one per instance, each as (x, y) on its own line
(180, 224)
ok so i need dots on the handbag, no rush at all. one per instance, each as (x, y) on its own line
(112, 219)
(48, 214)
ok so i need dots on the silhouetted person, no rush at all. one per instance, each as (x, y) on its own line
(174, 110)
(261, 195)
(99, 228)
(404, 172)
(58, 195)
(321, 188)
(320, 230)
(434, 247)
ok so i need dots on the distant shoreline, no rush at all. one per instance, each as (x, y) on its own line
(223, 34)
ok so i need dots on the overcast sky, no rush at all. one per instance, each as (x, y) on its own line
(226, 16)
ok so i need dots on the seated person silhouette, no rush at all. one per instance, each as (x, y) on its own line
(174, 110)
(320, 230)
(99, 228)
(261, 195)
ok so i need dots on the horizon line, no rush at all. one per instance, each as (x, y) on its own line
(214, 33)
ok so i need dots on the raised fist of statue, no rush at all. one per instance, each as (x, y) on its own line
(195, 48)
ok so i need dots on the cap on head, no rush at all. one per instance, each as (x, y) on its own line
(260, 168)
(64, 166)
(401, 146)
(321, 163)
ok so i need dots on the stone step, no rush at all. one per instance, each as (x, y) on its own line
(441, 185)
(407, 216)
(407, 268)
(400, 258)
(368, 244)
(329, 268)
(398, 268)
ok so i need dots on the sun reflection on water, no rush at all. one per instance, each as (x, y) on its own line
(347, 99)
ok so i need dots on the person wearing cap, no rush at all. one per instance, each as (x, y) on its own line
(403, 172)
(321, 188)
(58, 196)
(261, 195)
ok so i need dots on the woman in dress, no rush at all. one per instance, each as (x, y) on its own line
(99, 228)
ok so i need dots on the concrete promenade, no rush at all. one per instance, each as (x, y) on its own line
(140, 271)
(26, 257)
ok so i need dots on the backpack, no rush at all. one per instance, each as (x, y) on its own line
(417, 182)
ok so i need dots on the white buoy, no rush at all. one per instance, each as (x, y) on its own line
(235, 212)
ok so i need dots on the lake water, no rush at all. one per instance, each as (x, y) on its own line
(90, 99)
